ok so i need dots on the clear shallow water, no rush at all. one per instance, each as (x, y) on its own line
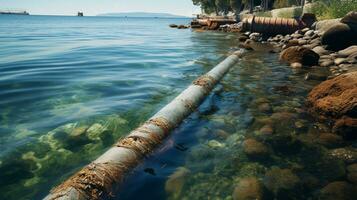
(204, 157)
(70, 87)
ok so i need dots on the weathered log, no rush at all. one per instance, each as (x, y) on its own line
(103, 176)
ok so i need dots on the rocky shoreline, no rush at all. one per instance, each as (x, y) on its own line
(326, 163)
(334, 101)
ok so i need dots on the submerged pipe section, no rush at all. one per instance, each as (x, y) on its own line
(102, 177)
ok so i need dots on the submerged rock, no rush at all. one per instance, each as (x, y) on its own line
(330, 140)
(215, 144)
(175, 182)
(301, 55)
(254, 148)
(248, 189)
(283, 183)
(338, 190)
(352, 173)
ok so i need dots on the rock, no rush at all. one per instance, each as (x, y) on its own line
(173, 25)
(320, 50)
(352, 173)
(265, 107)
(266, 130)
(296, 65)
(330, 140)
(296, 35)
(243, 38)
(196, 26)
(248, 189)
(283, 183)
(95, 131)
(260, 46)
(348, 155)
(351, 20)
(339, 61)
(346, 127)
(302, 42)
(304, 30)
(176, 181)
(348, 51)
(293, 42)
(222, 134)
(182, 27)
(309, 33)
(338, 37)
(335, 99)
(254, 148)
(215, 144)
(324, 25)
(326, 63)
(338, 190)
(255, 36)
(315, 76)
(301, 55)
(78, 132)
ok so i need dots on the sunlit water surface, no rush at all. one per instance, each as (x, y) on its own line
(70, 87)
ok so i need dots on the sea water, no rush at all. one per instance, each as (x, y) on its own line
(71, 86)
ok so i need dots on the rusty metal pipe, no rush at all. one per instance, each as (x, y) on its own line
(102, 177)
(272, 25)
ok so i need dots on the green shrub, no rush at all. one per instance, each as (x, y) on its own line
(330, 9)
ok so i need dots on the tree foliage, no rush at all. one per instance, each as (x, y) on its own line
(218, 6)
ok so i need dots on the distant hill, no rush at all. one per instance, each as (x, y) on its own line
(142, 14)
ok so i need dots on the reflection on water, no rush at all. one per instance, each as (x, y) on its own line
(70, 87)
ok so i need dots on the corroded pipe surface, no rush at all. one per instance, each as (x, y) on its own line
(103, 176)
(272, 25)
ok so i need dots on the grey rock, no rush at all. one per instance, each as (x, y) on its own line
(348, 51)
(320, 50)
(339, 61)
(309, 33)
(326, 63)
(351, 20)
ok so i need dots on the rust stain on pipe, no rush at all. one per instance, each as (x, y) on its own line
(162, 123)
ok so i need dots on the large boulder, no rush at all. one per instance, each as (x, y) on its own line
(248, 188)
(338, 37)
(351, 20)
(324, 25)
(335, 101)
(297, 54)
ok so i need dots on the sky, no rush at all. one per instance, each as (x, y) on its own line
(94, 7)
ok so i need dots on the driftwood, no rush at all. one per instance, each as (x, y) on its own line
(103, 176)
